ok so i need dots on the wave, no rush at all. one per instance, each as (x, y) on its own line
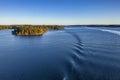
(106, 30)
(112, 31)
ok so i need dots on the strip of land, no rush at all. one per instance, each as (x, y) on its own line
(31, 30)
(97, 25)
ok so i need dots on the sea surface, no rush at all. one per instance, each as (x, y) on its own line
(75, 53)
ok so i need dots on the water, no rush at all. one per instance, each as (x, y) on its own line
(75, 53)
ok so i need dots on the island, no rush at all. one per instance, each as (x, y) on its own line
(30, 30)
(34, 30)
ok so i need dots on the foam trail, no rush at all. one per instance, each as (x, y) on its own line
(112, 31)
(106, 30)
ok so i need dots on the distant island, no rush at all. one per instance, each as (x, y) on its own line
(97, 25)
(31, 30)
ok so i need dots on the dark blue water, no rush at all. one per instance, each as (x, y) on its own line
(75, 53)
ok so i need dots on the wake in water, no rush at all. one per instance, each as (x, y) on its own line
(92, 62)
(105, 30)
(77, 58)
(112, 31)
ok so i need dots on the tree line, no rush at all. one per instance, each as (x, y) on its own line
(26, 30)
(3, 27)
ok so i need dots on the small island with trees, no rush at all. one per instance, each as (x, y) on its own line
(31, 30)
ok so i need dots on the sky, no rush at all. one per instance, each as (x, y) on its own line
(59, 12)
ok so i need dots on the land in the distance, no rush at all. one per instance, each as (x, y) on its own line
(31, 30)
(97, 25)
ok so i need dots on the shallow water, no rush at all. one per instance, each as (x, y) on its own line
(75, 53)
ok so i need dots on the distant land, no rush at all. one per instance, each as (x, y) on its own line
(30, 30)
(96, 25)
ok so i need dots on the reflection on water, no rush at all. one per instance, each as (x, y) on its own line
(76, 53)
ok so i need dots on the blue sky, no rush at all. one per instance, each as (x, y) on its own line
(60, 12)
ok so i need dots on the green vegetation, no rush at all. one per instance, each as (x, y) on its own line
(32, 30)
(3, 27)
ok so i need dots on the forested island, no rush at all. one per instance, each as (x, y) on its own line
(30, 30)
